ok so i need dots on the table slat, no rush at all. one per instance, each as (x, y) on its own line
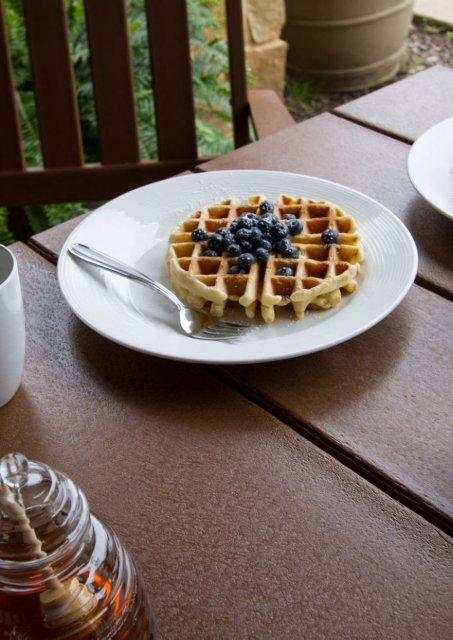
(50, 242)
(405, 109)
(242, 527)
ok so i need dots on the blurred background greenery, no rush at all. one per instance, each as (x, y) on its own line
(210, 82)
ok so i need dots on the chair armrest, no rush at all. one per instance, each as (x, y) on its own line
(269, 114)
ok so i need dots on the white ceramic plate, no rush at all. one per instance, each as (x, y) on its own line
(135, 228)
(430, 166)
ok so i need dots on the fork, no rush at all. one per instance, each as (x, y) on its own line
(196, 324)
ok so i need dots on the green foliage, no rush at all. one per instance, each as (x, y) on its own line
(211, 89)
(82, 73)
(24, 89)
(6, 236)
(210, 69)
(302, 90)
(430, 25)
(432, 28)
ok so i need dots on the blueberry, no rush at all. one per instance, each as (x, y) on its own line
(279, 231)
(243, 235)
(271, 218)
(265, 225)
(199, 235)
(234, 226)
(236, 270)
(222, 231)
(285, 271)
(247, 247)
(251, 216)
(266, 207)
(265, 244)
(294, 227)
(211, 253)
(233, 250)
(246, 260)
(289, 216)
(291, 252)
(215, 241)
(245, 223)
(262, 255)
(282, 245)
(256, 235)
(330, 236)
(228, 239)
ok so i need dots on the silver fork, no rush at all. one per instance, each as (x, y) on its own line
(196, 324)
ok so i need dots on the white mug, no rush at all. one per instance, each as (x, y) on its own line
(12, 327)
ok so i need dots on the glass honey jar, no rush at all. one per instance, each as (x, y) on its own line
(63, 573)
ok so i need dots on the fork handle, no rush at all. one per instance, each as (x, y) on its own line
(104, 261)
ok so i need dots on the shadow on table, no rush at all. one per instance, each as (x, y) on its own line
(433, 235)
(337, 377)
(345, 372)
(158, 390)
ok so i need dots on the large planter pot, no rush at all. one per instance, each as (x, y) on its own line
(350, 44)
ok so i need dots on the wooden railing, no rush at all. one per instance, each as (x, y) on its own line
(64, 176)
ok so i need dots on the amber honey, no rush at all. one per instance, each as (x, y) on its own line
(21, 619)
(64, 575)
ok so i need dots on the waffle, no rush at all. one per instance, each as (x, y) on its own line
(321, 273)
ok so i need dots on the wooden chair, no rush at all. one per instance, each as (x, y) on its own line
(64, 176)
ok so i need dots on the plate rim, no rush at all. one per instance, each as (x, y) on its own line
(410, 164)
(227, 360)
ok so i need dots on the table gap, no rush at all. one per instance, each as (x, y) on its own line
(434, 288)
(375, 128)
(355, 463)
(42, 251)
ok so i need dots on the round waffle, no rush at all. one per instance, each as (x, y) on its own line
(321, 272)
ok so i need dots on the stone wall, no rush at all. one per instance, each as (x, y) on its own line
(265, 51)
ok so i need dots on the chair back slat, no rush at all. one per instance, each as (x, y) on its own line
(11, 153)
(90, 183)
(53, 81)
(65, 176)
(112, 79)
(238, 78)
(172, 78)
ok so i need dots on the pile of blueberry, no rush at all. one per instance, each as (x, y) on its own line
(252, 237)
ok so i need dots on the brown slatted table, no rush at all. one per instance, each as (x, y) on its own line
(243, 528)
(310, 498)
